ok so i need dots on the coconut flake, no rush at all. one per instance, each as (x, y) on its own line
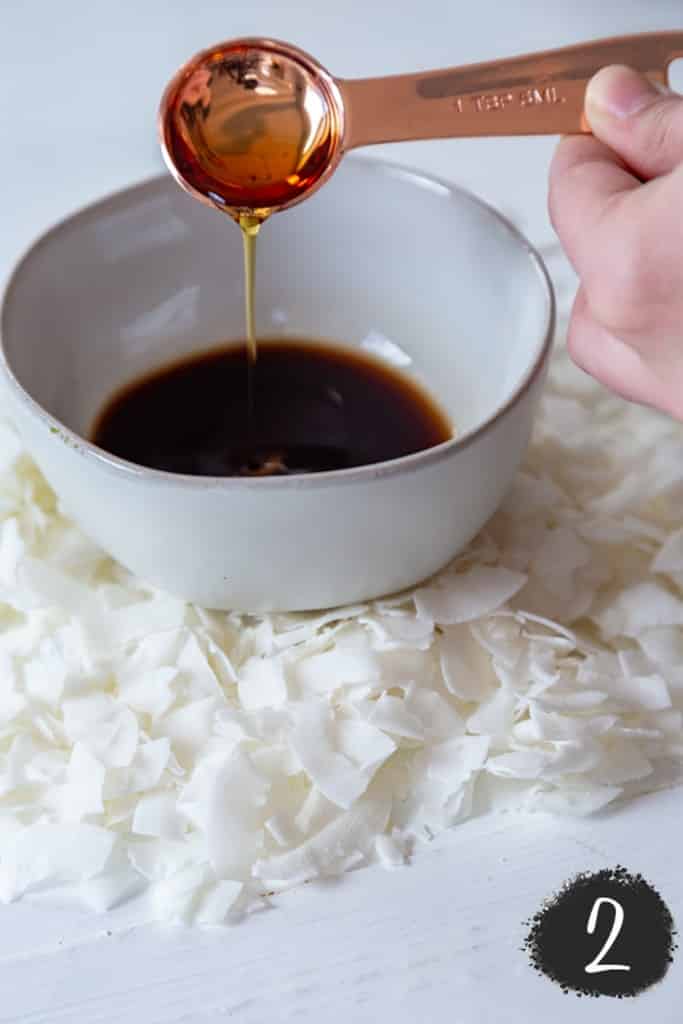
(389, 852)
(552, 727)
(466, 596)
(328, 853)
(111, 890)
(52, 853)
(438, 718)
(456, 761)
(158, 859)
(664, 650)
(12, 702)
(188, 727)
(236, 810)
(108, 729)
(262, 683)
(643, 606)
(12, 550)
(465, 666)
(148, 765)
(362, 743)
(341, 779)
(397, 631)
(669, 558)
(520, 764)
(152, 652)
(19, 764)
(350, 661)
(176, 898)
(217, 901)
(115, 629)
(193, 663)
(622, 762)
(10, 447)
(315, 812)
(495, 716)
(45, 673)
(391, 715)
(282, 830)
(152, 692)
(156, 814)
(81, 795)
(649, 693)
(557, 560)
(580, 801)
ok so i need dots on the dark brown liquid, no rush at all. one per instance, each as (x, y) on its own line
(315, 408)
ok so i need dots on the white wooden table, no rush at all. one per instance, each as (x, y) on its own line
(438, 941)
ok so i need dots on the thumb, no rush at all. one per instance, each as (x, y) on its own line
(641, 121)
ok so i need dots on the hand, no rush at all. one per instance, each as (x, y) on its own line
(616, 202)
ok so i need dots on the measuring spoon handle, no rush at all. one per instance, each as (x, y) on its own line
(536, 94)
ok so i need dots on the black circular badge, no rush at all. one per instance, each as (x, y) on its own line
(603, 934)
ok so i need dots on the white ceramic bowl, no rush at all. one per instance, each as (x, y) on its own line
(149, 275)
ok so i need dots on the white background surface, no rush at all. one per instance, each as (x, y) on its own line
(439, 941)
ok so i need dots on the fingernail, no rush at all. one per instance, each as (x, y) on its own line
(620, 92)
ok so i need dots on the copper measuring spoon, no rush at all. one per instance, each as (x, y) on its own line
(254, 125)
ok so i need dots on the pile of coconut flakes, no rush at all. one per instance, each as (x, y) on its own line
(202, 761)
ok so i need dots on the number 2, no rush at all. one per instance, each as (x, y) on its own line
(596, 965)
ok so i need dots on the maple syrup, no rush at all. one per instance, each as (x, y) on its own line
(316, 408)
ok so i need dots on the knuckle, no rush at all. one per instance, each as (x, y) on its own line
(663, 129)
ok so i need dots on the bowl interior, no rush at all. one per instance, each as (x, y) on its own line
(150, 275)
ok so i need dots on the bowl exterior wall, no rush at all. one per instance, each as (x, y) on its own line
(342, 542)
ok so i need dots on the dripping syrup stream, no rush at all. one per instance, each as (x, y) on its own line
(250, 226)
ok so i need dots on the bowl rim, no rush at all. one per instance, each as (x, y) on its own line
(374, 471)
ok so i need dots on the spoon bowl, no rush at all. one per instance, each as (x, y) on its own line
(251, 125)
